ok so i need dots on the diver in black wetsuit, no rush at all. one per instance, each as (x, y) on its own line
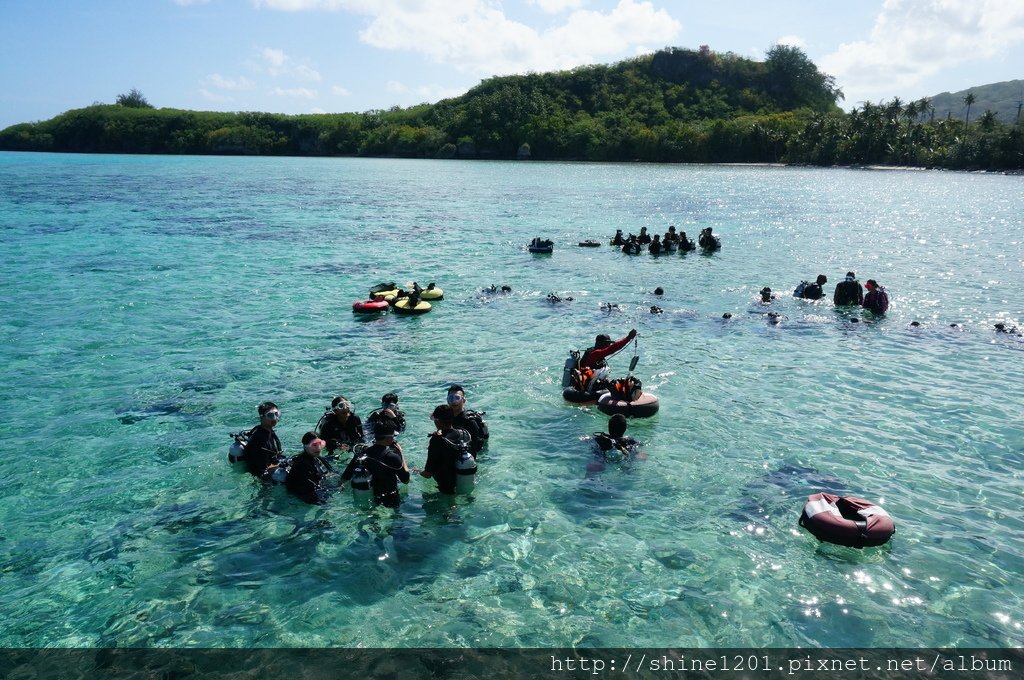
(308, 470)
(814, 291)
(388, 409)
(263, 453)
(467, 419)
(339, 427)
(386, 464)
(848, 292)
(615, 446)
(446, 445)
(708, 241)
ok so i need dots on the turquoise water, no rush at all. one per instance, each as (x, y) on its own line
(152, 302)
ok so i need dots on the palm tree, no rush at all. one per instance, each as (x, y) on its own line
(969, 99)
(924, 105)
(894, 109)
(988, 120)
(911, 111)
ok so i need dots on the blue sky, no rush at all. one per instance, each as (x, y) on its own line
(302, 56)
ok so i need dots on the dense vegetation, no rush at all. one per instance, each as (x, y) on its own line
(677, 105)
(1003, 99)
(891, 133)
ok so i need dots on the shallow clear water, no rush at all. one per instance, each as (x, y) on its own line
(152, 302)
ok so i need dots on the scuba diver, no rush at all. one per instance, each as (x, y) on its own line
(385, 463)
(604, 348)
(811, 291)
(388, 411)
(686, 244)
(644, 237)
(308, 470)
(339, 427)
(708, 241)
(588, 372)
(766, 296)
(263, 455)
(467, 419)
(671, 235)
(848, 292)
(655, 247)
(877, 299)
(632, 246)
(614, 447)
(449, 453)
(618, 239)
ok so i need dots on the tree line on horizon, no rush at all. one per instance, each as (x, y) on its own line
(676, 105)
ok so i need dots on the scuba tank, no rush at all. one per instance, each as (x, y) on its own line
(465, 472)
(612, 449)
(236, 452)
(280, 474)
(362, 478)
(571, 363)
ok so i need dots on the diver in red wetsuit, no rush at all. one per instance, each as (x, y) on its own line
(604, 348)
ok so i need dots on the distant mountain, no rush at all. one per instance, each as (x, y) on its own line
(1001, 98)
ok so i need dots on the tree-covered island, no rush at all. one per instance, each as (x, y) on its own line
(676, 105)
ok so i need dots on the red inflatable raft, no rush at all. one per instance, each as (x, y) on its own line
(846, 520)
(369, 306)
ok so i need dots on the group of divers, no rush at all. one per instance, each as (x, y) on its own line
(634, 244)
(671, 242)
(374, 470)
(848, 293)
(374, 462)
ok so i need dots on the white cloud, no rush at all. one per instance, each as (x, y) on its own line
(279, 64)
(792, 41)
(215, 96)
(556, 6)
(912, 40)
(340, 91)
(587, 35)
(295, 92)
(317, 109)
(422, 93)
(221, 83)
(297, 5)
(476, 36)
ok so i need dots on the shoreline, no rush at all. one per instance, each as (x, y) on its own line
(635, 161)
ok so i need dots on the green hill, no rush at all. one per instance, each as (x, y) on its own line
(1000, 98)
(676, 105)
(673, 105)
